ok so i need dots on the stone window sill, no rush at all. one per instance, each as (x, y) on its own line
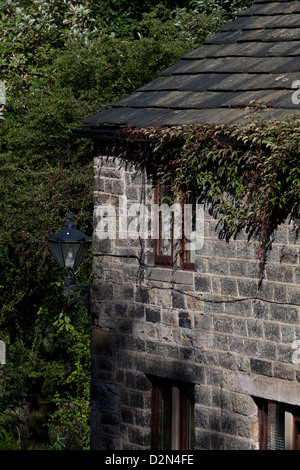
(174, 276)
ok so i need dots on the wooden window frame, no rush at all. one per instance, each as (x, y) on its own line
(293, 441)
(162, 260)
(168, 261)
(179, 422)
(184, 264)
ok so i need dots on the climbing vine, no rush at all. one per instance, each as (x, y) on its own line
(249, 175)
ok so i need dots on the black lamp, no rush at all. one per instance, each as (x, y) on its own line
(69, 248)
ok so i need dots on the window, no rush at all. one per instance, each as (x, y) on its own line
(163, 244)
(172, 415)
(188, 243)
(174, 243)
(279, 426)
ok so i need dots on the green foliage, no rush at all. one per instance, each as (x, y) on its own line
(249, 175)
(10, 419)
(69, 424)
(32, 32)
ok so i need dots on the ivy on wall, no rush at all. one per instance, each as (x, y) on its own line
(249, 175)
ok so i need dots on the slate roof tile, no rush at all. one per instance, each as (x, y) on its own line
(256, 57)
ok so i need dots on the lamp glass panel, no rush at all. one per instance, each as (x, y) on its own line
(82, 253)
(56, 251)
(70, 251)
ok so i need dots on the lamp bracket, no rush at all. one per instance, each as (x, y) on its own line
(71, 289)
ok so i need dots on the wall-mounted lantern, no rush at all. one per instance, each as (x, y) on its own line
(69, 248)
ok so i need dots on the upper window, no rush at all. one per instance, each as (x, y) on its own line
(172, 415)
(174, 244)
(279, 426)
(164, 242)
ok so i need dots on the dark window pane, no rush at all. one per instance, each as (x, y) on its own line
(172, 415)
(276, 439)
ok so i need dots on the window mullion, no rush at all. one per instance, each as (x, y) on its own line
(175, 439)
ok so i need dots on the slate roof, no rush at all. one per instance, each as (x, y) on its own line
(255, 57)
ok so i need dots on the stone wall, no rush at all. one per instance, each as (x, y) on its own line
(218, 327)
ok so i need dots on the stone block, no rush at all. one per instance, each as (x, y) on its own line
(240, 307)
(127, 416)
(247, 288)
(153, 314)
(103, 291)
(185, 320)
(284, 372)
(121, 309)
(203, 395)
(213, 304)
(276, 272)
(272, 331)
(214, 419)
(284, 313)
(293, 295)
(217, 341)
(202, 439)
(216, 266)
(289, 254)
(260, 310)
(145, 331)
(243, 404)
(139, 437)
(260, 367)
(285, 353)
(171, 352)
(201, 417)
(255, 329)
(228, 360)
(134, 344)
(164, 297)
(236, 424)
(253, 269)
(236, 444)
(141, 295)
(202, 283)
(217, 441)
(237, 268)
(186, 354)
(207, 357)
(142, 418)
(124, 327)
(287, 333)
(228, 286)
(245, 251)
(105, 396)
(214, 377)
(236, 344)
(223, 249)
(221, 399)
(229, 424)
(101, 342)
(136, 310)
(267, 350)
(179, 300)
(222, 324)
(155, 348)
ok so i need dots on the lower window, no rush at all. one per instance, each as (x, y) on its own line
(173, 424)
(279, 426)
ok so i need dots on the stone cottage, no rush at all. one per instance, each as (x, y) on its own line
(196, 355)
